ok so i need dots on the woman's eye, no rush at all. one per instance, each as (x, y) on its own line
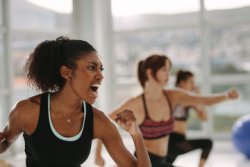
(91, 68)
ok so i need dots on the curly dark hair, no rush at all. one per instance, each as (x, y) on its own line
(43, 65)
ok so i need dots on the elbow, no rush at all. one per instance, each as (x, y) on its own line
(143, 164)
(4, 146)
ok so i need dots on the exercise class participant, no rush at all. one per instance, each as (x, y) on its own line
(59, 124)
(155, 105)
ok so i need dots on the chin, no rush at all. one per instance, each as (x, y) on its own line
(91, 101)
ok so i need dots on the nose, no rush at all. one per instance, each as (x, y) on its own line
(99, 76)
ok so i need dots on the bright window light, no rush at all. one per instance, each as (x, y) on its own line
(59, 6)
(137, 7)
(226, 4)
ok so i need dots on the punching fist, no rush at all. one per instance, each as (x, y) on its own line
(232, 94)
(126, 119)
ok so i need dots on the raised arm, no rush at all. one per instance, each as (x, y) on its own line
(106, 131)
(185, 98)
(99, 160)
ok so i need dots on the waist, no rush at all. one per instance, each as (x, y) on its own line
(157, 146)
(180, 127)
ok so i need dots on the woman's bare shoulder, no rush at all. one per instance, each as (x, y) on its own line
(99, 115)
(26, 109)
(27, 105)
(134, 101)
(175, 92)
(25, 113)
(103, 125)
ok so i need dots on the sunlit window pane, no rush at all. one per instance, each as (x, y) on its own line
(1, 59)
(230, 49)
(225, 114)
(138, 7)
(1, 14)
(225, 4)
(181, 45)
(29, 16)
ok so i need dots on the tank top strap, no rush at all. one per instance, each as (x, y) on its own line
(145, 106)
(43, 122)
(44, 101)
(89, 121)
(169, 102)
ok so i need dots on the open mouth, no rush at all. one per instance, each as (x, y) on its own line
(94, 88)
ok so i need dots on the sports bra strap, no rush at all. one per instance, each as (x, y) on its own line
(169, 102)
(145, 106)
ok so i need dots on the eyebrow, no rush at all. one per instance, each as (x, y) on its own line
(96, 64)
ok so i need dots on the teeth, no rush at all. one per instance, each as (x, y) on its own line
(96, 85)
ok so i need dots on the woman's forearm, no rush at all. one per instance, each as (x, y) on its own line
(231, 94)
(216, 99)
(98, 147)
(141, 152)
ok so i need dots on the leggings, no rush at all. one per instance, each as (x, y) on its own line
(158, 161)
(178, 144)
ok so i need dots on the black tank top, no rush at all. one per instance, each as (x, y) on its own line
(44, 149)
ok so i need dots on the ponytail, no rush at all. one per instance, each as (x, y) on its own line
(141, 73)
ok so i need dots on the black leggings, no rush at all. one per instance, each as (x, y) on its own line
(158, 161)
(178, 144)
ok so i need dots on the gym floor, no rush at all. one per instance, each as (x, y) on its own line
(223, 155)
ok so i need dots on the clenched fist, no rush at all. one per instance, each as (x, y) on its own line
(232, 94)
(126, 119)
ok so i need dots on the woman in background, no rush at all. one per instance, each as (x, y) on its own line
(178, 144)
(154, 107)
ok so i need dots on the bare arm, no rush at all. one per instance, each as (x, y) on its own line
(114, 145)
(98, 154)
(99, 160)
(11, 131)
(201, 112)
(185, 98)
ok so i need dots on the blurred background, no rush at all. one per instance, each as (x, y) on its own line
(209, 37)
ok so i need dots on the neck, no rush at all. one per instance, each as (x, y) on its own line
(153, 91)
(65, 102)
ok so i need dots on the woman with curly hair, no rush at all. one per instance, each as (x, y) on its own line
(59, 124)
